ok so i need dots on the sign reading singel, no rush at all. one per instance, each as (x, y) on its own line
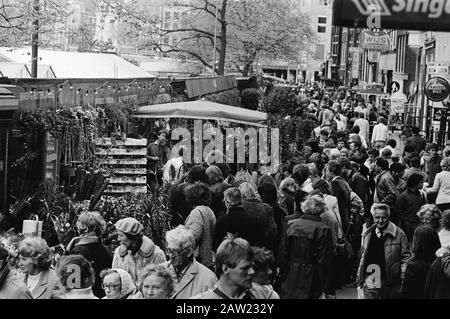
(432, 15)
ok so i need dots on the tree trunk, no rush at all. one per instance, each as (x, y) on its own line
(223, 39)
(246, 69)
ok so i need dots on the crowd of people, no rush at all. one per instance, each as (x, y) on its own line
(361, 210)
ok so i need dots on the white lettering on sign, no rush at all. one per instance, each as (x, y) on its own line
(435, 8)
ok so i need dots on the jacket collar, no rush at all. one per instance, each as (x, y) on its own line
(190, 274)
(82, 240)
(311, 217)
(41, 286)
(146, 250)
(390, 230)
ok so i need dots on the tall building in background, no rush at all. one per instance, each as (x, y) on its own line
(319, 54)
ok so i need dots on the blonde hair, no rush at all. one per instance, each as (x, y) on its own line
(248, 191)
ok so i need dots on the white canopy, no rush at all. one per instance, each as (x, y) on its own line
(204, 110)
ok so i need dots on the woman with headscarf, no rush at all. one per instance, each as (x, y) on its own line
(425, 244)
(118, 284)
(441, 185)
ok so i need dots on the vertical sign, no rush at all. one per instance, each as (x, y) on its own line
(51, 159)
(355, 65)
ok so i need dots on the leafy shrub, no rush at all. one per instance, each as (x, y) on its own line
(281, 100)
(229, 97)
(250, 99)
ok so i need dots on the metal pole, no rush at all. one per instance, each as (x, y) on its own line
(34, 41)
(215, 43)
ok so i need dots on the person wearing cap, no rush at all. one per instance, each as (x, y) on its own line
(10, 285)
(384, 256)
(136, 250)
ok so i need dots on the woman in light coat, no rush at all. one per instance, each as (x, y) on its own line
(441, 185)
(34, 263)
(201, 221)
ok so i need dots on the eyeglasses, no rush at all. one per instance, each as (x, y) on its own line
(110, 287)
(171, 251)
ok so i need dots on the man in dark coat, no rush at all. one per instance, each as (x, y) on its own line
(178, 203)
(434, 165)
(237, 222)
(416, 141)
(339, 189)
(307, 259)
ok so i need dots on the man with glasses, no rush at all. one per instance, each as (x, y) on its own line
(384, 255)
(192, 278)
(234, 267)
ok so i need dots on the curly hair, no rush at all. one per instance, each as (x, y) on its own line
(91, 222)
(437, 214)
(445, 164)
(181, 236)
(214, 174)
(199, 195)
(37, 249)
(160, 271)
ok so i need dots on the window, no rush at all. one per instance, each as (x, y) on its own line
(321, 29)
(322, 20)
(175, 15)
(167, 15)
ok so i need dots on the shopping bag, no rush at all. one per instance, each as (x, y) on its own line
(32, 227)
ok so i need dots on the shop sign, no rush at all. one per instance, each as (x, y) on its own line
(437, 89)
(428, 15)
(375, 41)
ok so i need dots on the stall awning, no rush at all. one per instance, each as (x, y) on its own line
(8, 101)
(203, 110)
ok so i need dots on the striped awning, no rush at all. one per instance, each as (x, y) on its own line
(8, 101)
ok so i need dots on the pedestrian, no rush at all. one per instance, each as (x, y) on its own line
(192, 278)
(35, 265)
(234, 268)
(437, 285)
(384, 245)
(308, 257)
(217, 187)
(237, 221)
(408, 205)
(75, 289)
(263, 265)
(117, 284)
(11, 287)
(385, 191)
(261, 212)
(91, 226)
(424, 247)
(380, 134)
(157, 283)
(441, 185)
(430, 214)
(201, 221)
(136, 250)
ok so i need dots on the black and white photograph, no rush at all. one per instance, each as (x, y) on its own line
(224, 155)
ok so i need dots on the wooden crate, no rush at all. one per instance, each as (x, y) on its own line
(128, 161)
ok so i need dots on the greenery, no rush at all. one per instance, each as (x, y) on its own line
(228, 97)
(250, 99)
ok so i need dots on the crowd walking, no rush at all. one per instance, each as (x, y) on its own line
(360, 211)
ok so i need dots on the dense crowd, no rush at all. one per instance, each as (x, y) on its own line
(362, 210)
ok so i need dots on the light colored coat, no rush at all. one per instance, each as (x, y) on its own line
(48, 280)
(442, 187)
(201, 221)
(147, 254)
(196, 280)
